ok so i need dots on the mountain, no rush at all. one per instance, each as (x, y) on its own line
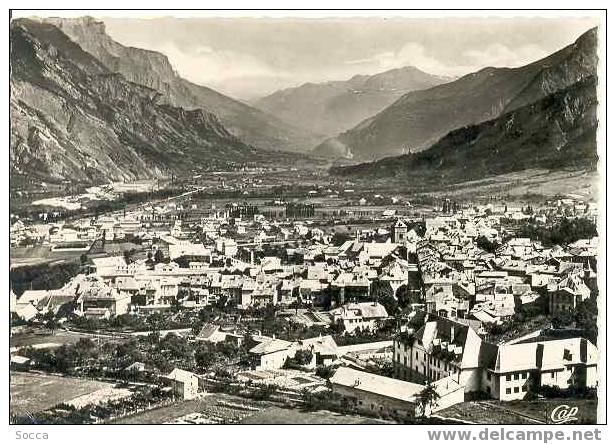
(420, 118)
(556, 132)
(331, 107)
(72, 119)
(152, 69)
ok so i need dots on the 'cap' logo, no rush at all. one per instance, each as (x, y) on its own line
(564, 413)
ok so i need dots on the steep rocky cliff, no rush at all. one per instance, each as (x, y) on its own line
(74, 119)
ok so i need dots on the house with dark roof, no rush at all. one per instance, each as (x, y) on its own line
(567, 294)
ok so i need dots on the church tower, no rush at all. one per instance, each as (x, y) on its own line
(400, 230)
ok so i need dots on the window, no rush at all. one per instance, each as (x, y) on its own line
(508, 391)
(553, 375)
(489, 376)
(508, 378)
(516, 389)
(516, 376)
(524, 389)
(416, 355)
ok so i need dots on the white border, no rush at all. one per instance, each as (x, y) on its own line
(298, 434)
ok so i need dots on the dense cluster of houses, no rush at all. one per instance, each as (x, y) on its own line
(463, 288)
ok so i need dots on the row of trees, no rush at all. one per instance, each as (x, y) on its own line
(563, 231)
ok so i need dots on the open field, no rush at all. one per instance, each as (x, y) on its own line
(34, 392)
(22, 256)
(31, 337)
(519, 412)
(576, 184)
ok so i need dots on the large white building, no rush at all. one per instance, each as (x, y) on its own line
(444, 347)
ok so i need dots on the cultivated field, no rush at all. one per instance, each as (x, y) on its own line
(34, 392)
(277, 415)
(219, 408)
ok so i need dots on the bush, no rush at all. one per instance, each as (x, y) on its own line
(325, 372)
(554, 391)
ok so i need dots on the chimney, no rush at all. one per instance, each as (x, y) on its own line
(274, 336)
(452, 334)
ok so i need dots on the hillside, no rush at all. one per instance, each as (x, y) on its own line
(152, 69)
(331, 107)
(74, 120)
(420, 118)
(556, 132)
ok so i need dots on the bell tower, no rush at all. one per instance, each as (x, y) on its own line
(400, 230)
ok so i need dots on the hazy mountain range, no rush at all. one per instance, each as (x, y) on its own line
(420, 118)
(331, 107)
(87, 109)
(558, 131)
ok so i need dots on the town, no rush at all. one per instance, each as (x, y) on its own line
(343, 305)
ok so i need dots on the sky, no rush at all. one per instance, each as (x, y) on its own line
(251, 57)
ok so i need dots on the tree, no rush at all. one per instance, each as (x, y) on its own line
(205, 357)
(325, 372)
(383, 293)
(563, 319)
(303, 357)
(586, 319)
(155, 321)
(339, 238)
(338, 327)
(382, 366)
(49, 320)
(128, 255)
(485, 244)
(159, 256)
(428, 397)
(176, 305)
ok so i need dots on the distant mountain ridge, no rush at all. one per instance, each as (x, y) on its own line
(556, 132)
(74, 120)
(153, 69)
(420, 118)
(331, 107)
